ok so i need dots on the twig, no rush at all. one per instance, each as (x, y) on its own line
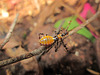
(41, 49)
(22, 57)
(98, 52)
(91, 28)
(93, 72)
(10, 32)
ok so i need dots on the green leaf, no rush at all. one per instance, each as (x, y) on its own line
(84, 31)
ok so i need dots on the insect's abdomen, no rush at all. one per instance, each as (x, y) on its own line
(46, 40)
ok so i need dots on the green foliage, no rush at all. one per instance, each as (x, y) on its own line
(84, 31)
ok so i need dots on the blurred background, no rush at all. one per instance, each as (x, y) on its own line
(45, 16)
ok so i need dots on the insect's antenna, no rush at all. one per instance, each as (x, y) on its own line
(59, 29)
(69, 23)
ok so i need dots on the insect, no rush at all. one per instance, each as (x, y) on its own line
(47, 40)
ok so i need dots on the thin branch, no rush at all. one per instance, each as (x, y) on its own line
(93, 72)
(22, 57)
(84, 24)
(41, 49)
(82, 19)
(10, 32)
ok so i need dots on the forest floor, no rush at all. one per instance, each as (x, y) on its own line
(39, 17)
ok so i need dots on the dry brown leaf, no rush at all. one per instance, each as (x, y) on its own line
(30, 64)
(8, 72)
(49, 2)
(80, 5)
(15, 52)
(12, 43)
(71, 2)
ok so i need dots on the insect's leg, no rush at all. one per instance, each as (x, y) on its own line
(40, 35)
(55, 45)
(55, 33)
(59, 29)
(69, 23)
(48, 49)
(64, 45)
(46, 34)
(62, 29)
(58, 45)
(40, 55)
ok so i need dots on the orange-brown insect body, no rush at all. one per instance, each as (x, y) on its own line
(46, 40)
(59, 36)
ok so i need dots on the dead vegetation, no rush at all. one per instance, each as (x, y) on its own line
(36, 16)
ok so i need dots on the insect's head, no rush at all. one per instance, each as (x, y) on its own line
(59, 36)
